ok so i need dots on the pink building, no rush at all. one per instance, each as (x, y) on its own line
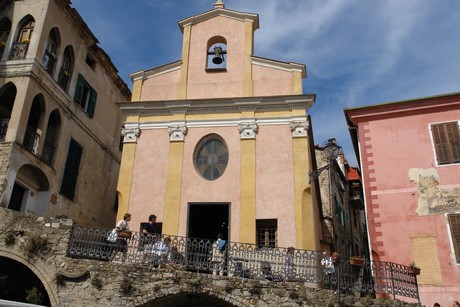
(409, 154)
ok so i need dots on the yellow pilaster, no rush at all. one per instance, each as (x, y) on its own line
(248, 191)
(306, 221)
(125, 178)
(137, 90)
(297, 83)
(182, 86)
(173, 189)
(248, 90)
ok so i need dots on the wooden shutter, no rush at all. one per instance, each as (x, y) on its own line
(92, 103)
(72, 165)
(446, 138)
(454, 223)
(78, 97)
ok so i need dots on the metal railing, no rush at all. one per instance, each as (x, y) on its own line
(19, 51)
(3, 128)
(243, 260)
(31, 140)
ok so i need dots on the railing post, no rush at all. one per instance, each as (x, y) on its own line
(392, 280)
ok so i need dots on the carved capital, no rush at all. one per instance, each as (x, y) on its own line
(177, 132)
(130, 135)
(299, 129)
(248, 130)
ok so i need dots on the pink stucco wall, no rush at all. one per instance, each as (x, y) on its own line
(161, 87)
(391, 145)
(271, 82)
(275, 180)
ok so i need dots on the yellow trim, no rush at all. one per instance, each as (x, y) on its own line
(125, 178)
(173, 189)
(137, 90)
(296, 83)
(182, 86)
(306, 222)
(248, 192)
(248, 89)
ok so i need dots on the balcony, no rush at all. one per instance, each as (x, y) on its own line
(3, 128)
(48, 153)
(19, 51)
(49, 60)
(244, 261)
(31, 140)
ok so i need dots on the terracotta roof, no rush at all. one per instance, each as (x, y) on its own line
(353, 174)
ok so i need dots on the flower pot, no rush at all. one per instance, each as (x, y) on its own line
(414, 271)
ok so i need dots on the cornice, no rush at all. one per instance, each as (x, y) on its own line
(192, 20)
(222, 105)
(286, 66)
(155, 71)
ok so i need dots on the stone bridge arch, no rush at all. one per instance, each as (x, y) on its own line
(45, 272)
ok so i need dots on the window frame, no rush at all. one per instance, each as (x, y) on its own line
(71, 169)
(444, 137)
(270, 226)
(455, 233)
(85, 96)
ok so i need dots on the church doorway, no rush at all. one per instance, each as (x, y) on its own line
(206, 220)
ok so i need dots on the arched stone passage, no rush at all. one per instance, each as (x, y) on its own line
(36, 272)
(188, 299)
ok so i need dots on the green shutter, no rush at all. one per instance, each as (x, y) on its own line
(72, 166)
(79, 89)
(92, 103)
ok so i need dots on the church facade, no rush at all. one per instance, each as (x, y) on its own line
(218, 141)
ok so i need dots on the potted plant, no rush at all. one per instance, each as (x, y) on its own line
(2, 45)
(26, 41)
(357, 261)
(413, 269)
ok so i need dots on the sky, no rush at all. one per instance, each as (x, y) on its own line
(357, 52)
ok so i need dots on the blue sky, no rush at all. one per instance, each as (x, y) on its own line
(357, 52)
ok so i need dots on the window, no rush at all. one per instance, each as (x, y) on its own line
(446, 139)
(91, 62)
(211, 157)
(4, 33)
(50, 55)
(454, 223)
(267, 233)
(21, 45)
(85, 96)
(72, 165)
(65, 72)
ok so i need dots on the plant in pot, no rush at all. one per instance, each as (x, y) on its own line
(414, 269)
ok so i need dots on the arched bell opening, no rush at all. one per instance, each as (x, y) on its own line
(216, 54)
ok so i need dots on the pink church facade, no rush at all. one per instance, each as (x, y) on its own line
(409, 154)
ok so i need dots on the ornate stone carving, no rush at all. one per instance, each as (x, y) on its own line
(248, 130)
(130, 135)
(299, 129)
(177, 132)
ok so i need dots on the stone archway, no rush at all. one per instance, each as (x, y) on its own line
(188, 299)
(40, 271)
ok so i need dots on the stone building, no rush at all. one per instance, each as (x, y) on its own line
(217, 141)
(59, 127)
(343, 223)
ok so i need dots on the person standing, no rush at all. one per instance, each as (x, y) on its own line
(219, 252)
(289, 267)
(148, 237)
(328, 267)
(119, 236)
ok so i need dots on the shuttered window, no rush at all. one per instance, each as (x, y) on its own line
(446, 138)
(454, 223)
(85, 96)
(72, 165)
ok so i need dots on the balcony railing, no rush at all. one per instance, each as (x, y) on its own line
(3, 128)
(243, 260)
(49, 59)
(48, 153)
(31, 140)
(19, 51)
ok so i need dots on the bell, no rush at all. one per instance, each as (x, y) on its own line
(218, 55)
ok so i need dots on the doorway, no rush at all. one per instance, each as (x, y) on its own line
(17, 196)
(206, 220)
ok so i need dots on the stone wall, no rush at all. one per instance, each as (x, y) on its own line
(84, 282)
